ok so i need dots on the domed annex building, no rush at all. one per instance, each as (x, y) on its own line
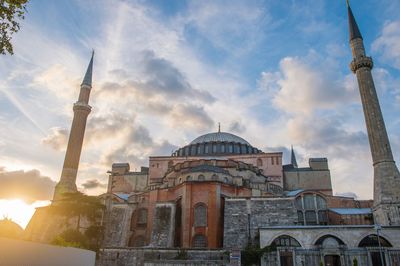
(219, 195)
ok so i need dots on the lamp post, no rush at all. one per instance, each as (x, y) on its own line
(378, 227)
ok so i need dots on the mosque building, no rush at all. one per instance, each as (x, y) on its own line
(219, 193)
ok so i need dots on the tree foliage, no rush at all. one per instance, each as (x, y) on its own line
(10, 12)
(78, 205)
(251, 255)
(10, 229)
(71, 238)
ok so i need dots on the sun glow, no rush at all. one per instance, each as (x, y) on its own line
(19, 211)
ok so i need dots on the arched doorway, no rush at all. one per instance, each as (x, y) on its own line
(286, 243)
(372, 242)
(330, 244)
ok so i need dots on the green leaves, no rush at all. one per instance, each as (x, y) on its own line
(10, 12)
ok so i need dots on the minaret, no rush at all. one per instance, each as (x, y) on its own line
(386, 175)
(81, 109)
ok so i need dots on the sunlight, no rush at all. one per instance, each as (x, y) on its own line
(18, 210)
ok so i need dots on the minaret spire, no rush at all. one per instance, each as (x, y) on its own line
(81, 109)
(353, 27)
(87, 80)
(386, 174)
(293, 160)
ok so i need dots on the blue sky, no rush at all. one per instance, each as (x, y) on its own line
(273, 72)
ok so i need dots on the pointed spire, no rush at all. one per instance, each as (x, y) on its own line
(353, 27)
(87, 80)
(293, 159)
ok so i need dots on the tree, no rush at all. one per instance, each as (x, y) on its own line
(10, 12)
(10, 229)
(79, 205)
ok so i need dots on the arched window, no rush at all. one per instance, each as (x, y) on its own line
(193, 150)
(201, 178)
(285, 241)
(200, 215)
(372, 241)
(223, 148)
(142, 217)
(199, 241)
(329, 241)
(230, 148)
(226, 180)
(214, 177)
(311, 209)
(259, 162)
(189, 178)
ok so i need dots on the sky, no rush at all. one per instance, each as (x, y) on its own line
(273, 72)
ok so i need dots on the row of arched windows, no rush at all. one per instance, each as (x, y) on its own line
(215, 148)
(330, 240)
(203, 178)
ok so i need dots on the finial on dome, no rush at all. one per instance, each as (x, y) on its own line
(219, 127)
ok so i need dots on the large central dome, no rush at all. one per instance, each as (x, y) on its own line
(219, 137)
(216, 144)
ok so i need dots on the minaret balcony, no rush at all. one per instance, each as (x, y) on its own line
(81, 106)
(360, 62)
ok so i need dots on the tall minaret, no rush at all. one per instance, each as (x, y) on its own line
(74, 148)
(386, 175)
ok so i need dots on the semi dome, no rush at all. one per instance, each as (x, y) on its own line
(216, 144)
(219, 137)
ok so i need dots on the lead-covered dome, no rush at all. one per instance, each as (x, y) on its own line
(219, 137)
(215, 144)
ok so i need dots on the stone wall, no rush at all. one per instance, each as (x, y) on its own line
(118, 221)
(163, 225)
(150, 257)
(315, 177)
(243, 218)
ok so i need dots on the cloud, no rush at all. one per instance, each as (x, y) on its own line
(328, 130)
(157, 78)
(190, 116)
(301, 86)
(27, 185)
(388, 43)
(92, 184)
(237, 127)
(57, 139)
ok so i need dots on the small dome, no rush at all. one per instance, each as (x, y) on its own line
(219, 137)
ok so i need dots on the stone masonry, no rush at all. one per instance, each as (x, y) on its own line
(243, 217)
